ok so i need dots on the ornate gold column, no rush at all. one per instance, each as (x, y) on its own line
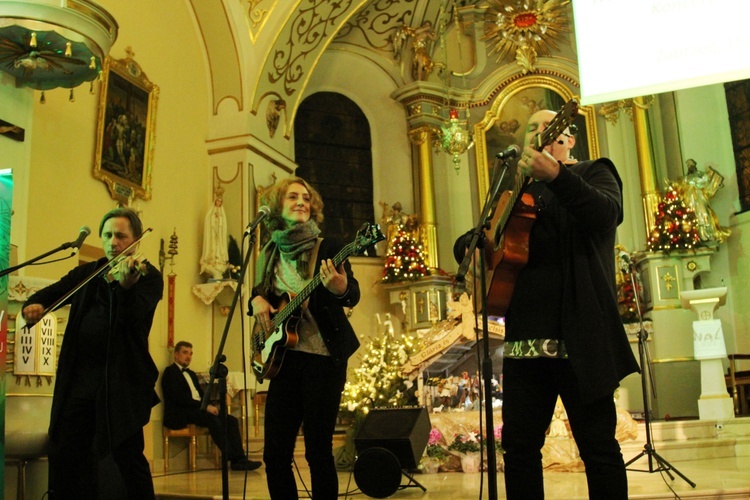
(422, 139)
(650, 194)
(649, 190)
(424, 103)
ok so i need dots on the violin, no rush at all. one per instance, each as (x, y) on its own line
(113, 266)
(117, 268)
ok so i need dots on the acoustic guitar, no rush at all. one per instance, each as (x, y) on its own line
(269, 347)
(507, 251)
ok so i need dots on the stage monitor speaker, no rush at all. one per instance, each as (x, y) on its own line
(377, 472)
(402, 431)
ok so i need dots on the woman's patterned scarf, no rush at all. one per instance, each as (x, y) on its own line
(295, 243)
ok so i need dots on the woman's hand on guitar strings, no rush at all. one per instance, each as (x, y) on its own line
(262, 310)
(333, 278)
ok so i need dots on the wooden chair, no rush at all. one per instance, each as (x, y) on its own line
(738, 384)
(192, 432)
(258, 399)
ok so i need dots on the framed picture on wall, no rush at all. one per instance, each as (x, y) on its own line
(126, 130)
(505, 123)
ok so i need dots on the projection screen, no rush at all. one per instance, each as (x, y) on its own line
(630, 48)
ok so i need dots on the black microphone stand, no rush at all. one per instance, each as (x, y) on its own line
(219, 371)
(31, 261)
(478, 241)
(645, 360)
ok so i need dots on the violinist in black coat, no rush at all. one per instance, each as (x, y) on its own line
(104, 387)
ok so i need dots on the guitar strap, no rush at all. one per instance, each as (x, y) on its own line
(313, 257)
(311, 266)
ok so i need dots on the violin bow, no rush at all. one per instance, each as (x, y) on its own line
(114, 260)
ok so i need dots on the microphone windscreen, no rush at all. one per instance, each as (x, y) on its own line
(461, 245)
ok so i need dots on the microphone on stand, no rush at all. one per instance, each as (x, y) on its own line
(82, 235)
(498, 175)
(510, 152)
(263, 212)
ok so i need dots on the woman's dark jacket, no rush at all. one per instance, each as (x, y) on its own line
(328, 310)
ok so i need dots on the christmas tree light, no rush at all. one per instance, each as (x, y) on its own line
(405, 260)
(378, 381)
(675, 225)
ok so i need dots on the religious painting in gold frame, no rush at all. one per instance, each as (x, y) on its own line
(504, 123)
(126, 130)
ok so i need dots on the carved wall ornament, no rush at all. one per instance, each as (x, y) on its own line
(524, 29)
(258, 12)
(310, 29)
(611, 110)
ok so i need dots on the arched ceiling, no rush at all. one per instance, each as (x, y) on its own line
(292, 36)
(259, 51)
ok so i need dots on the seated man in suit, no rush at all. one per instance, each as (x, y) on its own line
(182, 400)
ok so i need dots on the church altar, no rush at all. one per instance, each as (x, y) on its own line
(559, 452)
(458, 328)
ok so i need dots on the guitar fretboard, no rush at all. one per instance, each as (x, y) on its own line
(292, 306)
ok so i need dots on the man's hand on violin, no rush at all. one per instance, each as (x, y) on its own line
(128, 271)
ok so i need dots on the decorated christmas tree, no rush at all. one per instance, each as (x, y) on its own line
(675, 225)
(405, 259)
(377, 383)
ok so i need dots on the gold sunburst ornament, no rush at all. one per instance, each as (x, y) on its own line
(524, 29)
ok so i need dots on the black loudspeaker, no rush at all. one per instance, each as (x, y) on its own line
(377, 472)
(402, 431)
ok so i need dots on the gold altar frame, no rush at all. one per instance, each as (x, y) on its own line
(126, 130)
(504, 122)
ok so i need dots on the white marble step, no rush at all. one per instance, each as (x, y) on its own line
(674, 441)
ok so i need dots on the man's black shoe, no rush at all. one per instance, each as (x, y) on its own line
(244, 464)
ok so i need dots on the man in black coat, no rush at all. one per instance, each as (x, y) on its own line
(182, 400)
(104, 387)
(563, 332)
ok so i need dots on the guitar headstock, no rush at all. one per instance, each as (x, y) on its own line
(367, 236)
(562, 120)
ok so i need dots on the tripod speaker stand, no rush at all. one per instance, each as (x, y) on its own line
(656, 462)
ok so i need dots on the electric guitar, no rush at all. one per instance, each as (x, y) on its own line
(510, 227)
(269, 347)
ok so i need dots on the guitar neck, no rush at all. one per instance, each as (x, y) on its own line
(523, 181)
(297, 301)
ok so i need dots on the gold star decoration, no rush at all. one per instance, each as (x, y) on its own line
(524, 29)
